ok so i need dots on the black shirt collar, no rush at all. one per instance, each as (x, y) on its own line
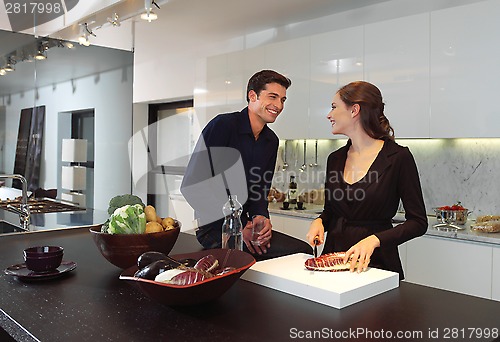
(245, 128)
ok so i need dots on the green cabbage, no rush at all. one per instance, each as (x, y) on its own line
(129, 219)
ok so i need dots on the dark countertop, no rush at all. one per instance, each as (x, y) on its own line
(92, 304)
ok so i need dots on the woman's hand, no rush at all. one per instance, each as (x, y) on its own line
(316, 229)
(361, 253)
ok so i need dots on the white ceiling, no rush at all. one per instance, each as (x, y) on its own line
(238, 17)
(224, 19)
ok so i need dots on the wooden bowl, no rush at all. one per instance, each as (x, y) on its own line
(200, 292)
(122, 250)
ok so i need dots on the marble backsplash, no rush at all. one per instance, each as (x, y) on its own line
(451, 170)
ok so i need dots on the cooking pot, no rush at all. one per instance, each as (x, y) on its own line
(455, 216)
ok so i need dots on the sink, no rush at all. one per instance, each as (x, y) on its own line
(6, 227)
(43, 205)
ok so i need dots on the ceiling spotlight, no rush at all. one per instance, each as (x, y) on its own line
(84, 39)
(149, 15)
(2, 71)
(41, 54)
(85, 32)
(114, 20)
(9, 66)
(69, 45)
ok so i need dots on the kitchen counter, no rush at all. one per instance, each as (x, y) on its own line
(310, 210)
(466, 234)
(92, 304)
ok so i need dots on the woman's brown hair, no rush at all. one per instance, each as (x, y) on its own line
(371, 108)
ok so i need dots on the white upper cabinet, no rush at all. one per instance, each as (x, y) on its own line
(397, 62)
(336, 59)
(214, 101)
(235, 81)
(465, 76)
(226, 82)
(438, 73)
(291, 58)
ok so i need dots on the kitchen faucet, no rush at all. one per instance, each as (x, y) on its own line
(23, 211)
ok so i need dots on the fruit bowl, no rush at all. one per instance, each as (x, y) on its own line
(122, 250)
(199, 292)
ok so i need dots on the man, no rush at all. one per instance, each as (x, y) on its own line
(236, 154)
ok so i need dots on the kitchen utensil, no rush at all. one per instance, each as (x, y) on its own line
(452, 216)
(285, 164)
(316, 242)
(449, 218)
(295, 154)
(279, 159)
(304, 165)
(199, 292)
(315, 164)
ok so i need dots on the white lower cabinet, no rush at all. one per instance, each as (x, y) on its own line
(402, 255)
(495, 285)
(464, 267)
(293, 226)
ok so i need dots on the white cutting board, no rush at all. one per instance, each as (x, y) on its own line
(337, 289)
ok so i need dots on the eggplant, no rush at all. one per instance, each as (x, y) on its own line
(149, 257)
(153, 269)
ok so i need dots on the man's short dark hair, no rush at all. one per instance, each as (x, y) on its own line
(259, 80)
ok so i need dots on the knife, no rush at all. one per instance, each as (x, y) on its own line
(316, 241)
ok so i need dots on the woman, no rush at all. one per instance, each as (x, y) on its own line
(365, 181)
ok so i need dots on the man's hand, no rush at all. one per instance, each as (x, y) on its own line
(264, 238)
